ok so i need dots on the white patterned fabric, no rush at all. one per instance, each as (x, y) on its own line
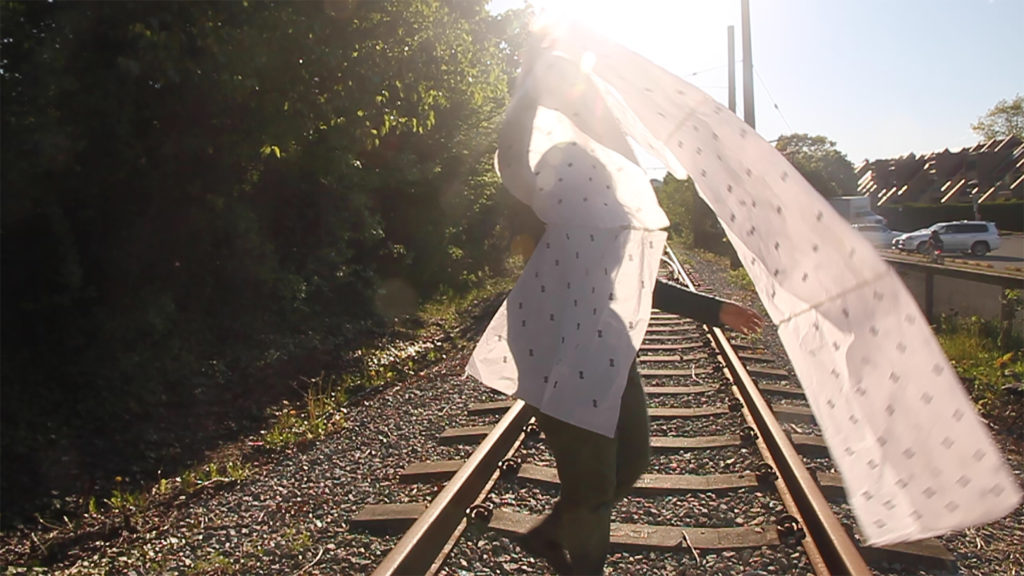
(915, 458)
(566, 335)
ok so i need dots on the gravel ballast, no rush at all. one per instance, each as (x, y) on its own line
(290, 514)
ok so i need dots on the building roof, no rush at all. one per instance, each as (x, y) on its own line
(991, 170)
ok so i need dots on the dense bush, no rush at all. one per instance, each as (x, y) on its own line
(191, 190)
(693, 223)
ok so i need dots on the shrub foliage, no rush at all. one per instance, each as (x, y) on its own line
(193, 189)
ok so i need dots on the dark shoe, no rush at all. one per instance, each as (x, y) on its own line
(550, 550)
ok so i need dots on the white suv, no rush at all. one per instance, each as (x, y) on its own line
(978, 238)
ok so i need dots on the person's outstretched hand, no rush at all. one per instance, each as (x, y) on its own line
(740, 318)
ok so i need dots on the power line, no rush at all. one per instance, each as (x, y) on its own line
(705, 71)
(774, 104)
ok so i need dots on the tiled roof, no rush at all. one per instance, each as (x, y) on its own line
(993, 170)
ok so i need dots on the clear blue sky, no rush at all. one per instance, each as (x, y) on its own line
(882, 78)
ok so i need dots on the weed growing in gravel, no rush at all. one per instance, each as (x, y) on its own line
(298, 541)
(125, 502)
(324, 398)
(215, 563)
(376, 365)
(741, 280)
(447, 310)
(211, 473)
(991, 371)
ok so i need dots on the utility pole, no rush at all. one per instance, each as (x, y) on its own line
(748, 66)
(732, 68)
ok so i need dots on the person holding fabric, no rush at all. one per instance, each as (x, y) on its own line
(596, 471)
(915, 457)
(566, 338)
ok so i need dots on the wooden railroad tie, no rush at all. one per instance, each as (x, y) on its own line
(691, 336)
(673, 390)
(393, 518)
(808, 445)
(672, 321)
(677, 329)
(767, 371)
(657, 484)
(500, 406)
(676, 372)
(667, 347)
(793, 414)
(796, 414)
(790, 390)
(397, 517)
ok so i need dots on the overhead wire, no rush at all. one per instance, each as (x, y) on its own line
(772, 99)
(705, 71)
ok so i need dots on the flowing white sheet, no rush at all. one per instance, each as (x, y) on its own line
(916, 459)
(566, 335)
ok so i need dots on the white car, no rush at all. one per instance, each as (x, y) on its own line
(978, 238)
(878, 235)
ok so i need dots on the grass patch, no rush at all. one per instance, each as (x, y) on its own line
(739, 279)
(448, 309)
(129, 503)
(319, 414)
(215, 563)
(124, 501)
(439, 324)
(991, 371)
(207, 475)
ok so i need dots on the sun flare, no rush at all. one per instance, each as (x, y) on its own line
(635, 21)
(605, 16)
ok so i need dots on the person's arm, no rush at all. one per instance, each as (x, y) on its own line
(705, 309)
(513, 157)
(675, 299)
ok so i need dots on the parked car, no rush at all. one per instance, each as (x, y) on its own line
(878, 235)
(978, 238)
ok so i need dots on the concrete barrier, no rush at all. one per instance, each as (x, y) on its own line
(946, 289)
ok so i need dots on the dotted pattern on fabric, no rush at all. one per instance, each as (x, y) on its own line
(915, 458)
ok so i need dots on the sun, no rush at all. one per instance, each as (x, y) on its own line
(614, 18)
(664, 29)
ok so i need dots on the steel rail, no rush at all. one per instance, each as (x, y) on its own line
(418, 549)
(423, 545)
(829, 537)
(839, 552)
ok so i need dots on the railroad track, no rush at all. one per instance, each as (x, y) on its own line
(740, 478)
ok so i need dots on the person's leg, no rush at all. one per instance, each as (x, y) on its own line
(595, 472)
(633, 435)
(544, 541)
(581, 518)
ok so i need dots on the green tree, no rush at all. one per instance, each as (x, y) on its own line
(677, 198)
(692, 222)
(817, 159)
(1004, 119)
(193, 189)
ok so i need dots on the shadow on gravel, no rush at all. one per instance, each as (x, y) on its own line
(179, 436)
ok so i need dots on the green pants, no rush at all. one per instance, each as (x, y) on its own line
(595, 472)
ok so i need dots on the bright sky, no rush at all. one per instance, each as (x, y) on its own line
(882, 78)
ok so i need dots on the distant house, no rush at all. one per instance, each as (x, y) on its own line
(992, 170)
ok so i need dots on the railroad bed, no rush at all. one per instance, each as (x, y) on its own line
(300, 510)
(740, 480)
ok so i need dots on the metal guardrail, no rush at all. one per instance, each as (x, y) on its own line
(954, 269)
